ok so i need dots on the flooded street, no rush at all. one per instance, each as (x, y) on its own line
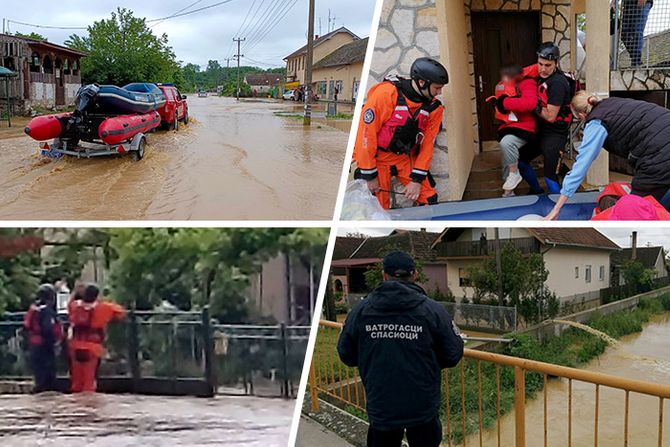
(125, 420)
(233, 161)
(642, 356)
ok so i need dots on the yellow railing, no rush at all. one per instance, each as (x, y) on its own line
(330, 378)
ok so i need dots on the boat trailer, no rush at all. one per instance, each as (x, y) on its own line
(136, 147)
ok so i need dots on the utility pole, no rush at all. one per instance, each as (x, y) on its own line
(501, 294)
(237, 56)
(228, 59)
(308, 65)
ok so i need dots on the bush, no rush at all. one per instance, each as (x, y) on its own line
(438, 295)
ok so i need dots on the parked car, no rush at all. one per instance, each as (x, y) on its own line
(289, 94)
(175, 108)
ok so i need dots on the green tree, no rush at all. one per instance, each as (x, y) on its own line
(33, 35)
(523, 283)
(635, 274)
(123, 49)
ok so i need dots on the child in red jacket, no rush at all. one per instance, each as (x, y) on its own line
(515, 101)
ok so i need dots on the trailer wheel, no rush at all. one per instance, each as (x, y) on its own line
(139, 153)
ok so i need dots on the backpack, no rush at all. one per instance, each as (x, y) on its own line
(82, 314)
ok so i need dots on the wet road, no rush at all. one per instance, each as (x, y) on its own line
(233, 161)
(125, 420)
(643, 356)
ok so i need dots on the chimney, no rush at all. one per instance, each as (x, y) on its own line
(633, 255)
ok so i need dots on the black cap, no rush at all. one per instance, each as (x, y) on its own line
(399, 264)
(46, 293)
(549, 51)
(429, 70)
(91, 293)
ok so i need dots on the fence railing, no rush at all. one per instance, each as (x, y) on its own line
(176, 345)
(46, 78)
(641, 34)
(468, 404)
(485, 247)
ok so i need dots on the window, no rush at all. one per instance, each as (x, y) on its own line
(576, 272)
(587, 273)
(321, 88)
(601, 273)
(463, 278)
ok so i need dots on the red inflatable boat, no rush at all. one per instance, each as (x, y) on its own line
(46, 127)
(122, 128)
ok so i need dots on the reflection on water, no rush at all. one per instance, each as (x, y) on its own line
(52, 419)
(234, 161)
(643, 356)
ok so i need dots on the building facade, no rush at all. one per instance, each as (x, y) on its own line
(339, 73)
(48, 74)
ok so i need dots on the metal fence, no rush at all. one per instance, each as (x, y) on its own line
(181, 346)
(483, 316)
(641, 34)
(483, 387)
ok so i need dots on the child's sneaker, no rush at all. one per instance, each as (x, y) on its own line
(512, 181)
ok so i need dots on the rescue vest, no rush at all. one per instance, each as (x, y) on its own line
(33, 326)
(403, 133)
(509, 89)
(564, 114)
(81, 316)
(621, 189)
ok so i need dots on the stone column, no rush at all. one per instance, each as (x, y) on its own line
(598, 72)
(459, 127)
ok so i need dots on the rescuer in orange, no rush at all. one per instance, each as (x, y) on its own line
(89, 317)
(400, 121)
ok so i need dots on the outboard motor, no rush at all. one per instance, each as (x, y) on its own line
(85, 96)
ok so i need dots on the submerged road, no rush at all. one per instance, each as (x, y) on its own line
(102, 420)
(234, 161)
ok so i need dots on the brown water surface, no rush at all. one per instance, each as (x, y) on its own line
(102, 420)
(234, 161)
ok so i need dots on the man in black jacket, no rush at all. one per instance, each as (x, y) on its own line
(400, 340)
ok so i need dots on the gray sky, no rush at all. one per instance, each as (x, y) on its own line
(621, 236)
(201, 36)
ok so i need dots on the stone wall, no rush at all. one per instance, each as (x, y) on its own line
(640, 80)
(408, 30)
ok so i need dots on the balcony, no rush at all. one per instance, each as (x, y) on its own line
(479, 249)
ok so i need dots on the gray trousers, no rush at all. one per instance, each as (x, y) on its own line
(510, 145)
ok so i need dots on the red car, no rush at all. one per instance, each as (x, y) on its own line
(175, 108)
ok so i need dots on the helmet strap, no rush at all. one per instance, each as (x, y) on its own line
(425, 91)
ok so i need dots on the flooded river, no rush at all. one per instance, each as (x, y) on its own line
(127, 420)
(233, 161)
(642, 356)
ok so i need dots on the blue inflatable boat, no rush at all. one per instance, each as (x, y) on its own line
(137, 98)
(579, 207)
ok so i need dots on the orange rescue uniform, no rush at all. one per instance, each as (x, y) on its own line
(85, 346)
(373, 162)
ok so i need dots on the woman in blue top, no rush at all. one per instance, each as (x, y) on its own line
(636, 130)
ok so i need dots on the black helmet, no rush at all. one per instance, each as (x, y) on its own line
(46, 293)
(429, 70)
(91, 293)
(549, 51)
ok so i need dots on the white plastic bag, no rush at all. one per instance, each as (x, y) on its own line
(360, 204)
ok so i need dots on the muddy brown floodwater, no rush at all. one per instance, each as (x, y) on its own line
(643, 356)
(233, 161)
(103, 420)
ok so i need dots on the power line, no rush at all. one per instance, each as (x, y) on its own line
(160, 19)
(272, 25)
(267, 23)
(238, 34)
(262, 21)
(249, 25)
(181, 10)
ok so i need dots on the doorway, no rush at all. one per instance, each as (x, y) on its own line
(500, 39)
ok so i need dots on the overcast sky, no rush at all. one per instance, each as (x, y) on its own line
(621, 236)
(201, 36)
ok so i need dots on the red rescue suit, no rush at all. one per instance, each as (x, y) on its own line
(656, 211)
(31, 323)
(565, 114)
(395, 139)
(88, 322)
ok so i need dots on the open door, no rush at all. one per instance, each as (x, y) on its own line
(500, 39)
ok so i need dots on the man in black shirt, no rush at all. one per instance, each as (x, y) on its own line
(554, 118)
(400, 340)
